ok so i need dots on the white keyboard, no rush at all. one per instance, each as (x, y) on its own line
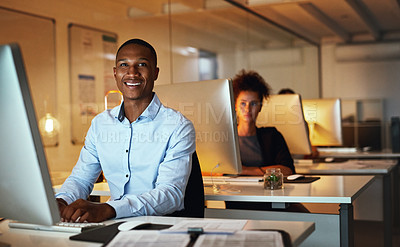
(228, 180)
(337, 150)
(59, 227)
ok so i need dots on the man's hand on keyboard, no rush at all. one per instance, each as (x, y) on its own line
(61, 204)
(86, 211)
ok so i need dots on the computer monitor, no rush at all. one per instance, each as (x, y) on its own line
(285, 113)
(25, 187)
(211, 108)
(324, 120)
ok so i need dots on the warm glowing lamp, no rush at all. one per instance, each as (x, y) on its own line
(49, 128)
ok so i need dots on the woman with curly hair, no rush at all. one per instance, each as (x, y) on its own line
(260, 148)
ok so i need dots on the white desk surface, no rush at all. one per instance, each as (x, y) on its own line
(355, 155)
(354, 167)
(298, 232)
(328, 189)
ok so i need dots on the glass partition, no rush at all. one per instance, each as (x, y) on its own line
(232, 39)
(36, 37)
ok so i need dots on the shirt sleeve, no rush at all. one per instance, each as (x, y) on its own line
(85, 173)
(173, 174)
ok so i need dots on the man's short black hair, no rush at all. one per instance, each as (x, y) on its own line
(142, 43)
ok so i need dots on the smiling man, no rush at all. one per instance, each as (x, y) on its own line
(143, 148)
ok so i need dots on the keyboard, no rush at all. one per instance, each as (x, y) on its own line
(58, 227)
(232, 180)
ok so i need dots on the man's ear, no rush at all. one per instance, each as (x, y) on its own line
(156, 73)
(115, 72)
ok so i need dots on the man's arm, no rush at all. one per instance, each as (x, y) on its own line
(80, 183)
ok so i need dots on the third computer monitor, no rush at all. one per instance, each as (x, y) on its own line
(285, 113)
(324, 121)
(211, 108)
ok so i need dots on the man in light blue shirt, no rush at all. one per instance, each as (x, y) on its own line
(143, 148)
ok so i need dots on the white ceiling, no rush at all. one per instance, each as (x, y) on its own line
(347, 21)
(317, 21)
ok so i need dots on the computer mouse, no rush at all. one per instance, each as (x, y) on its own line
(329, 159)
(294, 176)
(129, 225)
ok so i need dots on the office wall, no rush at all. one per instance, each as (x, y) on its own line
(288, 67)
(364, 71)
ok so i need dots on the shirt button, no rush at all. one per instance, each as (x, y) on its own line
(126, 175)
(126, 150)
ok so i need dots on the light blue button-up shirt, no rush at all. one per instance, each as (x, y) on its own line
(147, 163)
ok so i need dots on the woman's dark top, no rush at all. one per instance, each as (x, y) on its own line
(273, 149)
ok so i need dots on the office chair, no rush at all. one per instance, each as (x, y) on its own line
(194, 194)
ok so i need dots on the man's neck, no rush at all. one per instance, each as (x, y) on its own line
(134, 108)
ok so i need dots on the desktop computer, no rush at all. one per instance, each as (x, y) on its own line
(24, 177)
(211, 108)
(285, 113)
(324, 118)
(395, 134)
(26, 189)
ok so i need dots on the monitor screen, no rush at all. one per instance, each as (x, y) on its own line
(211, 108)
(285, 113)
(324, 120)
(26, 190)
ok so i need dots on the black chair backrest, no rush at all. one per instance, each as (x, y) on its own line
(194, 194)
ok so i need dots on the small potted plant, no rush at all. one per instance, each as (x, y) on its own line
(273, 179)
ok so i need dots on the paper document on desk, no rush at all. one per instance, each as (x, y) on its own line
(209, 226)
(155, 239)
(149, 238)
(241, 239)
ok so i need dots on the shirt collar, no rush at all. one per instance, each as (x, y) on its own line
(150, 111)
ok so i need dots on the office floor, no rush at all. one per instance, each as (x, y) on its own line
(366, 233)
(370, 234)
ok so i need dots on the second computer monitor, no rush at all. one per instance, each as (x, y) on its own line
(285, 113)
(324, 121)
(210, 107)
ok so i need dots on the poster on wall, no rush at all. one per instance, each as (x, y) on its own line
(92, 58)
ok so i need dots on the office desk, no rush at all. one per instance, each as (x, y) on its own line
(298, 232)
(350, 167)
(384, 169)
(328, 189)
(360, 155)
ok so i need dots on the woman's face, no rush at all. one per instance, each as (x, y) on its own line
(248, 105)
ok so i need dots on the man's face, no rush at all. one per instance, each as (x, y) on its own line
(135, 72)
